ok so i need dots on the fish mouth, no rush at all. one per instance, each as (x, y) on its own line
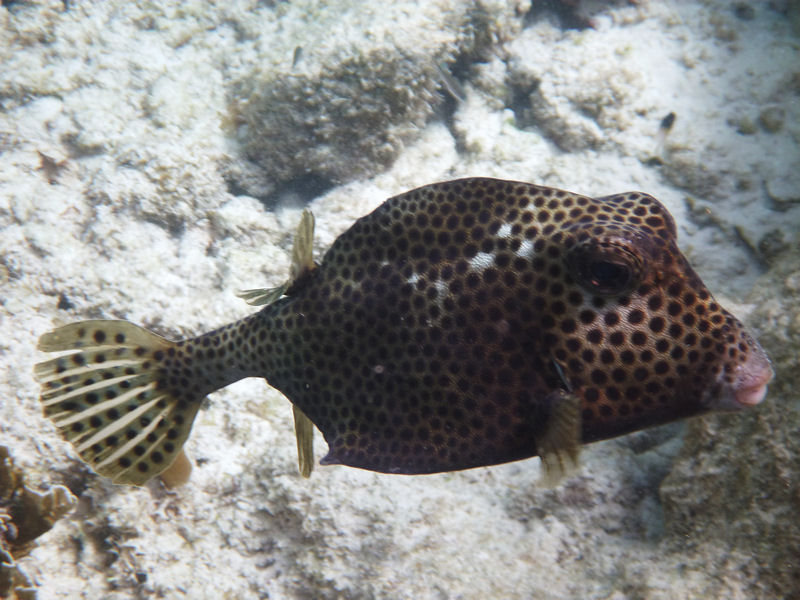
(751, 382)
(747, 387)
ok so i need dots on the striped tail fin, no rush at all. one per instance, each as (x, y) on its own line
(109, 396)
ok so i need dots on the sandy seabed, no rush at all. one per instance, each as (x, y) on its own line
(154, 159)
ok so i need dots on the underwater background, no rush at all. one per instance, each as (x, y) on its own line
(155, 158)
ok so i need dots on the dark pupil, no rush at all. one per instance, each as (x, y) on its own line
(608, 276)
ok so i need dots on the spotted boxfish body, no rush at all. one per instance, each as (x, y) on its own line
(462, 324)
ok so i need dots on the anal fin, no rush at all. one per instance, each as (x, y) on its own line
(559, 445)
(304, 431)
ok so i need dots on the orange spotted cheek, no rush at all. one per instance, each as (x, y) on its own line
(646, 359)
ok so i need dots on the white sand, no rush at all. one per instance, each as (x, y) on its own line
(138, 101)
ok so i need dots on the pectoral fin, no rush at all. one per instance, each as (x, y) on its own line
(262, 296)
(559, 445)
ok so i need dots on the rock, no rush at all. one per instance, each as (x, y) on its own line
(736, 481)
(361, 87)
(743, 124)
(574, 108)
(771, 119)
(24, 516)
(784, 191)
(744, 11)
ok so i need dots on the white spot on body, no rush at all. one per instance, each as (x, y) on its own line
(442, 291)
(525, 249)
(481, 261)
(413, 279)
(504, 231)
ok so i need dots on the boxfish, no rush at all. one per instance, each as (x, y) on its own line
(462, 324)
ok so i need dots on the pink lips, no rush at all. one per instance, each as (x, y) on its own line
(751, 396)
(752, 379)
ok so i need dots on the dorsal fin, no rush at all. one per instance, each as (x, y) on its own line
(302, 262)
(303, 249)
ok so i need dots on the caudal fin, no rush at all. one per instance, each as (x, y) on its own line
(109, 397)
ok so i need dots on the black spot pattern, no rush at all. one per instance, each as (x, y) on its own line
(427, 339)
(433, 337)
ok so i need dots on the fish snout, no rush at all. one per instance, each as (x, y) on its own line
(752, 377)
(748, 384)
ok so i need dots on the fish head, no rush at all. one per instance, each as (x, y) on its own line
(636, 332)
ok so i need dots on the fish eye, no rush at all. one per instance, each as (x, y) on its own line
(607, 277)
(605, 269)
